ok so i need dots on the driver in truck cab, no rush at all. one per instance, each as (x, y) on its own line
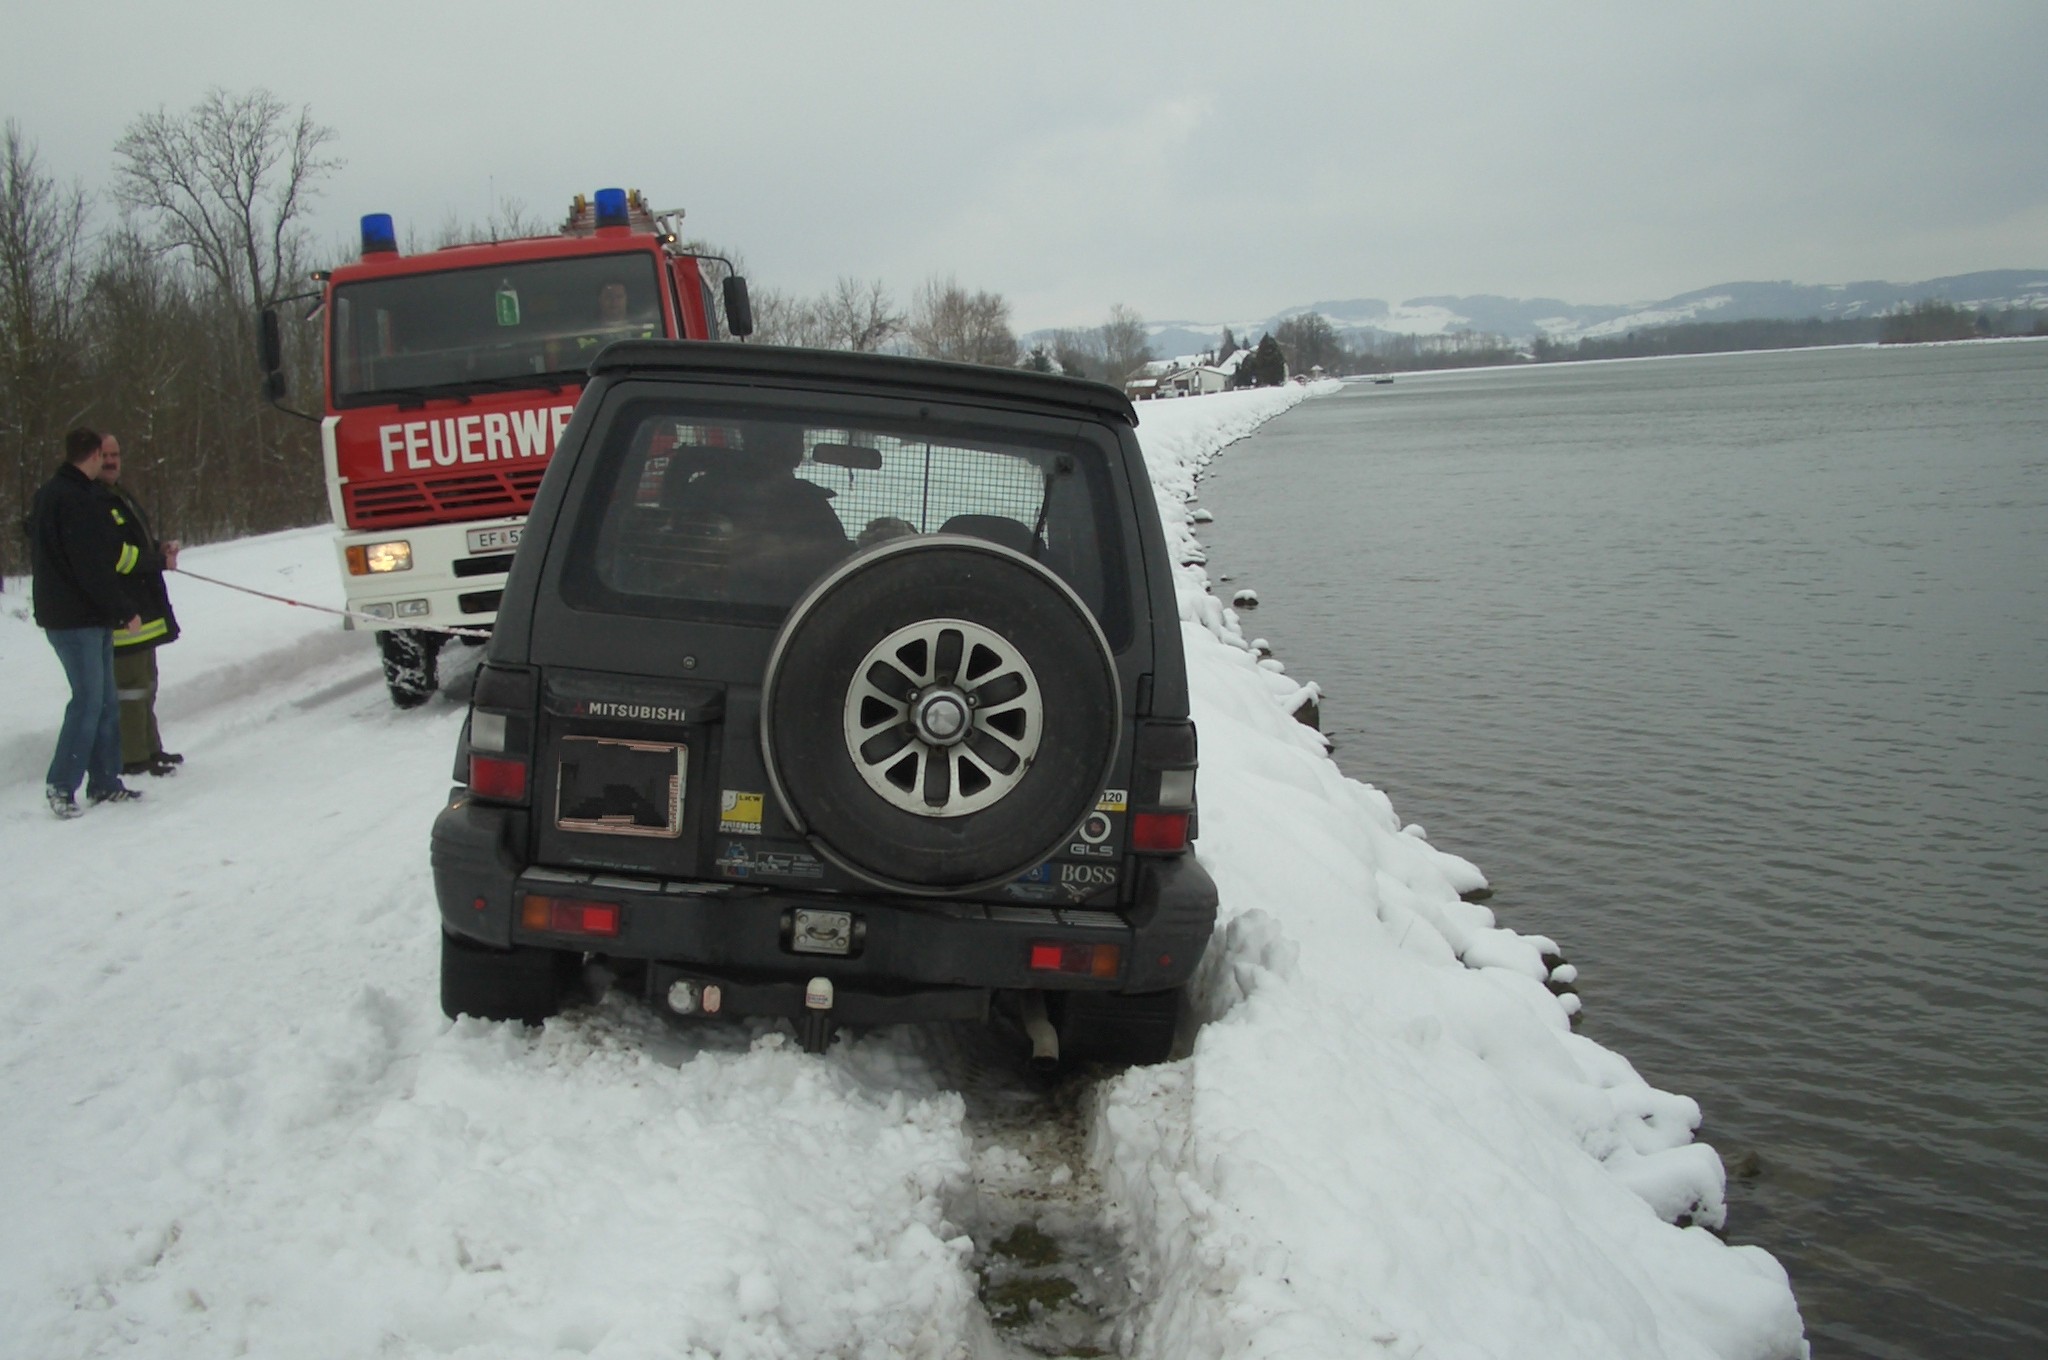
(613, 322)
(615, 319)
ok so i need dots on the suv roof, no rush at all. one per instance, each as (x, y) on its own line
(872, 373)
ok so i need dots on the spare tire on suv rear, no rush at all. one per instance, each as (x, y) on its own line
(939, 714)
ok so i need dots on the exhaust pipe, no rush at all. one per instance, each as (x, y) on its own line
(1045, 1040)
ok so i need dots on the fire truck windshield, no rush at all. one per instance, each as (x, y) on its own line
(491, 327)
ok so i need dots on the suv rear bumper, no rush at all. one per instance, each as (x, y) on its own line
(901, 944)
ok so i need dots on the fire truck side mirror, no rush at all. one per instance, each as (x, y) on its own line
(739, 313)
(270, 350)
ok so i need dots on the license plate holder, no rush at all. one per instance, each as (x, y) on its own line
(501, 539)
(615, 786)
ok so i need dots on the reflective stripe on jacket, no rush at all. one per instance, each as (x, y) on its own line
(152, 630)
(142, 571)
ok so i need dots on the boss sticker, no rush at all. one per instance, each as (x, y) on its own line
(1080, 881)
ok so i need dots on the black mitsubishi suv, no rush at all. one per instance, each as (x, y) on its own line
(838, 687)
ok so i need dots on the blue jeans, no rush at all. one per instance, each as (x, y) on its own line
(89, 742)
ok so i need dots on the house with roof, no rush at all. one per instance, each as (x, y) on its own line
(1189, 375)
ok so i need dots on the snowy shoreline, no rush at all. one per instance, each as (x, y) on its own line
(240, 1123)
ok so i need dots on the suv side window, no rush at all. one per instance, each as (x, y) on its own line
(729, 514)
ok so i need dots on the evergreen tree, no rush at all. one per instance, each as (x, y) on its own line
(1266, 368)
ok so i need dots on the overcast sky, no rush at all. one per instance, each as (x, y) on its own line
(1194, 160)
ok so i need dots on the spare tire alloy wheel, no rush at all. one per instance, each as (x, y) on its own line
(943, 717)
(939, 714)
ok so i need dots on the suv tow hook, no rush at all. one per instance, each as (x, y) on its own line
(814, 1030)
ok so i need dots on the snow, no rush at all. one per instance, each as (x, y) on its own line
(1694, 310)
(238, 1123)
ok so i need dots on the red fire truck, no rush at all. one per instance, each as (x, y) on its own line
(449, 377)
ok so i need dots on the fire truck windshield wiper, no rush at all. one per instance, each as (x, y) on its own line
(543, 382)
(413, 396)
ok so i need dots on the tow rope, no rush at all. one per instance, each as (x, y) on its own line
(479, 633)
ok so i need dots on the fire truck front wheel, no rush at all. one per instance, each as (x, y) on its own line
(411, 664)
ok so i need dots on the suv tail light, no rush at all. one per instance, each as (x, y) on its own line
(497, 777)
(1160, 832)
(1163, 802)
(1086, 960)
(569, 916)
(498, 743)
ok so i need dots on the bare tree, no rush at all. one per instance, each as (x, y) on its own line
(783, 319)
(227, 183)
(948, 322)
(509, 220)
(860, 316)
(1125, 344)
(1078, 353)
(1309, 341)
(223, 190)
(42, 230)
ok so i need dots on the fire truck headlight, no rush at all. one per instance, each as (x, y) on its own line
(378, 558)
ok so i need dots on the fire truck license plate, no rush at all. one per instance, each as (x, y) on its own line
(488, 540)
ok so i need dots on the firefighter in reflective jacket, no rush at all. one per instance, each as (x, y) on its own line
(144, 562)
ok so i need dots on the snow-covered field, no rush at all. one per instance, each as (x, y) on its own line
(237, 1124)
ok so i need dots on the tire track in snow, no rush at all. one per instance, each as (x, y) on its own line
(1048, 1268)
(1052, 1274)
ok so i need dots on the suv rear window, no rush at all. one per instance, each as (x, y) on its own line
(729, 515)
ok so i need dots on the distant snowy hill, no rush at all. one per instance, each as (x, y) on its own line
(1525, 318)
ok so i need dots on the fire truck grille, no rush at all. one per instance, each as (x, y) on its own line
(472, 494)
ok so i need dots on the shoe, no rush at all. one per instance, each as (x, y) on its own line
(159, 766)
(62, 803)
(168, 758)
(120, 793)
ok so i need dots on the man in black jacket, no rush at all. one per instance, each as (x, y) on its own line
(80, 563)
(142, 746)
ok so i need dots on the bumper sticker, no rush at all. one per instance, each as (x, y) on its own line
(739, 814)
(737, 861)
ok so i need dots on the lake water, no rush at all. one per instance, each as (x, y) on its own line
(1732, 674)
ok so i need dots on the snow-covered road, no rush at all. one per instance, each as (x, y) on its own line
(236, 1122)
